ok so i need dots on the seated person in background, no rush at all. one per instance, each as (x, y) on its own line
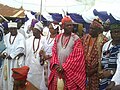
(20, 83)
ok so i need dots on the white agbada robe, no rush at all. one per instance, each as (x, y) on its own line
(36, 72)
(47, 47)
(17, 47)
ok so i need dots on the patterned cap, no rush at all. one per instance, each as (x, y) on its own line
(115, 26)
(96, 25)
(39, 26)
(54, 26)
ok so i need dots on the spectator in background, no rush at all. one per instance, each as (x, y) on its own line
(46, 29)
(106, 31)
(2, 45)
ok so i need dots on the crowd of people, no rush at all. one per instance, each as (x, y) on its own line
(60, 59)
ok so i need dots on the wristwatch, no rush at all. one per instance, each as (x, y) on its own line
(112, 72)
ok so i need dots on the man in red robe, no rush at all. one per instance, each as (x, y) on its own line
(67, 60)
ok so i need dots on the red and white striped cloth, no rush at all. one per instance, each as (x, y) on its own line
(74, 68)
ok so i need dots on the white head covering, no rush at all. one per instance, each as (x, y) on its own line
(12, 24)
(107, 21)
(39, 26)
(55, 26)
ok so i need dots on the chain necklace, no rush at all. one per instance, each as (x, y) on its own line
(13, 39)
(64, 45)
(37, 46)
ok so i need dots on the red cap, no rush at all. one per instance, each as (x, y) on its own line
(66, 19)
(20, 73)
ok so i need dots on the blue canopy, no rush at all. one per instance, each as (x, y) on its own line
(56, 17)
(76, 18)
(113, 20)
(42, 18)
(102, 15)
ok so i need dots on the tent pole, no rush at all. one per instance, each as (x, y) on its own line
(40, 9)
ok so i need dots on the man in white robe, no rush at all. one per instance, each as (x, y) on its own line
(14, 55)
(33, 47)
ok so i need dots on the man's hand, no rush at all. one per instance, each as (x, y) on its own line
(58, 68)
(110, 86)
(117, 87)
(3, 55)
(106, 73)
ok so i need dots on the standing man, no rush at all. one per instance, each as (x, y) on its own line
(14, 54)
(110, 58)
(67, 60)
(46, 52)
(33, 47)
(92, 43)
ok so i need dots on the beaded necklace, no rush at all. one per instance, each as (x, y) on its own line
(37, 46)
(11, 42)
(64, 45)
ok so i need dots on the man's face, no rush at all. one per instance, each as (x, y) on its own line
(51, 29)
(93, 32)
(68, 27)
(106, 27)
(115, 34)
(13, 31)
(36, 32)
(19, 82)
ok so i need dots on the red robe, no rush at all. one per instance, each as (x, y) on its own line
(73, 68)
